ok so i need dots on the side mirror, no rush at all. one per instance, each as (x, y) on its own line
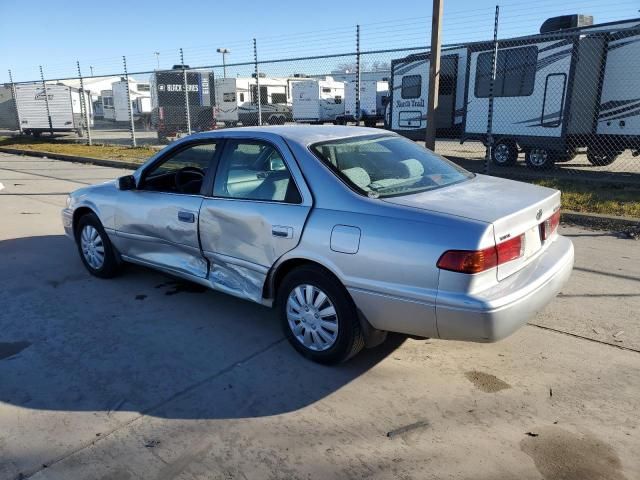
(128, 182)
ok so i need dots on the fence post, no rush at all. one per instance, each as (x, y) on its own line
(46, 101)
(14, 96)
(434, 77)
(255, 61)
(132, 129)
(358, 113)
(83, 106)
(186, 93)
(494, 59)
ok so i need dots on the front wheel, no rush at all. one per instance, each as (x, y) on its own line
(504, 153)
(96, 251)
(539, 159)
(318, 316)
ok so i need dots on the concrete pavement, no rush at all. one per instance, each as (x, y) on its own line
(143, 376)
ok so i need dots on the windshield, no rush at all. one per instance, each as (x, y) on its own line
(386, 166)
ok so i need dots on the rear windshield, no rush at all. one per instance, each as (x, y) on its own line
(387, 166)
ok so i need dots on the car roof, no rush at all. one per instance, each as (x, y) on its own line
(308, 134)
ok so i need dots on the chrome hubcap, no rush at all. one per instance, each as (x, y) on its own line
(92, 247)
(538, 157)
(312, 317)
(501, 153)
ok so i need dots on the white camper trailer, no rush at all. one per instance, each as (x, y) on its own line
(64, 114)
(566, 88)
(407, 108)
(108, 110)
(8, 112)
(140, 95)
(237, 100)
(318, 100)
(558, 91)
(374, 95)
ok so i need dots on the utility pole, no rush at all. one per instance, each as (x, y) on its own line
(132, 128)
(358, 106)
(224, 52)
(157, 54)
(91, 68)
(434, 75)
(185, 85)
(255, 60)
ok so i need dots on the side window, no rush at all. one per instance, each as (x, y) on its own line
(411, 86)
(182, 172)
(515, 73)
(254, 170)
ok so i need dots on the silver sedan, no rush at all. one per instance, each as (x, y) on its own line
(349, 232)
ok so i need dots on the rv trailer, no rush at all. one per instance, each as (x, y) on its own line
(64, 109)
(8, 112)
(409, 89)
(555, 92)
(558, 91)
(374, 96)
(140, 96)
(168, 105)
(237, 100)
(318, 100)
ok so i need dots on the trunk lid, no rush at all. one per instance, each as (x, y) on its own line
(513, 208)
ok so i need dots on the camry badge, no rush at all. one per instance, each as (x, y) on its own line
(539, 214)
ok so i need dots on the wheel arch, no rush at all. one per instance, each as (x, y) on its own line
(79, 213)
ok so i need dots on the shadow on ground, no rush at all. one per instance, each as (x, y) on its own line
(71, 342)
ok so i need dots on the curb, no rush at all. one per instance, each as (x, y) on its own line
(72, 158)
(592, 220)
(598, 221)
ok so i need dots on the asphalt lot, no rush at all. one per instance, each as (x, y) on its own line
(146, 377)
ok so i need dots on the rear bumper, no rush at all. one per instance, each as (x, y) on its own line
(497, 313)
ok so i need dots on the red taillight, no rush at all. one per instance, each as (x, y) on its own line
(510, 250)
(476, 261)
(549, 226)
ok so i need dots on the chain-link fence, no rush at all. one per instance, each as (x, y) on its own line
(565, 100)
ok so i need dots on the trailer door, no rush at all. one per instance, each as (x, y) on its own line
(553, 102)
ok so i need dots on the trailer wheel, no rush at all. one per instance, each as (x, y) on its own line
(539, 159)
(600, 158)
(505, 153)
(370, 122)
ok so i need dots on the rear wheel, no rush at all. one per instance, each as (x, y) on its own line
(539, 159)
(96, 251)
(318, 316)
(504, 153)
(600, 158)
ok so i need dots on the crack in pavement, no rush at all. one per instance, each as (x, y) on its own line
(147, 411)
(621, 347)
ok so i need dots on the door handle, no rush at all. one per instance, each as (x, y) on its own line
(186, 217)
(282, 231)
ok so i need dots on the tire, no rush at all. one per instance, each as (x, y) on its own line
(601, 159)
(539, 159)
(371, 123)
(504, 153)
(330, 346)
(90, 229)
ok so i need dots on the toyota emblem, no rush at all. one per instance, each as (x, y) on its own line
(539, 214)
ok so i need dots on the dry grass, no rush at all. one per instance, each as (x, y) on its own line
(606, 199)
(101, 152)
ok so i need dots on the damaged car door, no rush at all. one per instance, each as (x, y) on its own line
(256, 214)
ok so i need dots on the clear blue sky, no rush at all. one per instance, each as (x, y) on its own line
(57, 33)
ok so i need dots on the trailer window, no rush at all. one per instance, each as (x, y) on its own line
(326, 90)
(143, 87)
(229, 97)
(411, 86)
(242, 97)
(278, 98)
(515, 73)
